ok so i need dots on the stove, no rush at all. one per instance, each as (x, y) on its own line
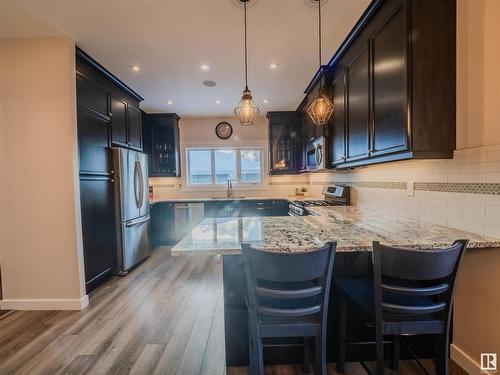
(335, 195)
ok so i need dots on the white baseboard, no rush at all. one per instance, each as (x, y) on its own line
(464, 360)
(44, 304)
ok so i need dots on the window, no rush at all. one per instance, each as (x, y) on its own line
(218, 165)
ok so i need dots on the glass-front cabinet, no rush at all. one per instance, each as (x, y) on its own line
(283, 141)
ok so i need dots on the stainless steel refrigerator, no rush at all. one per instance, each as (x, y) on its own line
(132, 207)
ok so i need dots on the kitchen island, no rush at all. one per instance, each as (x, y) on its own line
(353, 228)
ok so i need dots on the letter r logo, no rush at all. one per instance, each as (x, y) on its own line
(488, 361)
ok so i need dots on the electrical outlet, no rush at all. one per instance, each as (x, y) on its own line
(410, 188)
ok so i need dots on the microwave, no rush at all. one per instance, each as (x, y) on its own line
(315, 154)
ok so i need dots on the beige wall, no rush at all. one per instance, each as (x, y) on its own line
(478, 73)
(41, 246)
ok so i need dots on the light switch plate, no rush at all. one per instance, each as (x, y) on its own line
(410, 188)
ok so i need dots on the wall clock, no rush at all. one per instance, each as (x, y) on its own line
(223, 130)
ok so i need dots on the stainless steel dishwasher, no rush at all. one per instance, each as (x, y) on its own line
(187, 216)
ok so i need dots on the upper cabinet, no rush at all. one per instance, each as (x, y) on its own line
(162, 144)
(358, 105)
(134, 122)
(337, 139)
(126, 124)
(393, 85)
(284, 139)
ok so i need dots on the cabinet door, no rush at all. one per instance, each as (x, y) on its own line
(162, 151)
(162, 224)
(118, 122)
(98, 228)
(93, 138)
(338, 126)
(358, 106)
(281, 146)
(134, 120)
(389, 88)
(91, 95)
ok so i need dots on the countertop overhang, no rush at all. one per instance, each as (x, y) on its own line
(353, 228)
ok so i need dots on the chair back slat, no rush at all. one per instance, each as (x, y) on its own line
(412, 264)
(289, 313)
(288, 284)
(288, 267)
(288, 294)
(406, 309)
(425, 291)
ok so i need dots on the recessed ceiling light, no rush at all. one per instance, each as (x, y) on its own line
(204, 67)
(209, 83)
(274, 65)
(169, 102)
(217, 101)
(135, 68)
(266, 101)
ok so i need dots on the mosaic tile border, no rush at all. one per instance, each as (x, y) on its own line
(368, 184)
(443, 187)
(460, 187)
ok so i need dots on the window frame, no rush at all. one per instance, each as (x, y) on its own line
(237, 183)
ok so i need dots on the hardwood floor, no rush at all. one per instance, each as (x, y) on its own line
(165, 317)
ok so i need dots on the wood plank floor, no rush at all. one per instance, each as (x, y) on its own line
(165, 317)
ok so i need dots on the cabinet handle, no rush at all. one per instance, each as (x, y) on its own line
(112, 180)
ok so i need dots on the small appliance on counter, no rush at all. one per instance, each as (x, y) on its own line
(315, 154)
(335, 195)
(132, 207)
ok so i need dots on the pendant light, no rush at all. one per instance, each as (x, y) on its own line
(321, 108)
(246, 111)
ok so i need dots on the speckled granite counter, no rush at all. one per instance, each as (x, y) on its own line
(353, 228)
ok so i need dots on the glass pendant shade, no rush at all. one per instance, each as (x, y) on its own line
(246, 111)
(320, 110)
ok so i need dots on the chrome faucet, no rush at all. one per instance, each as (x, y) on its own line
(229, 188)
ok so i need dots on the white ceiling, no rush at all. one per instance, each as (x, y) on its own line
(169, 39)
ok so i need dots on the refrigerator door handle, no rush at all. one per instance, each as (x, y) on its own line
(141, 178)
(136, 183)
(137, 221)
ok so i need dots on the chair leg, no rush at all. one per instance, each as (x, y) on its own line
(342, 336)
(395, 353)
(320, 354)
(251, 351)
(307, 354)
(260, 356)
(380, 350)
(442, 354)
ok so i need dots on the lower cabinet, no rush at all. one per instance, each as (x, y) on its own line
(99, 242)
(162, 224)
(163, 214)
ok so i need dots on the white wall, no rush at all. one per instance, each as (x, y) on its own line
(41, 255)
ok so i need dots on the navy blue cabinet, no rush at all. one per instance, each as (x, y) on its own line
(162, 224)
(162, 144)
(107, 114)
(285, 142)
(246, 208)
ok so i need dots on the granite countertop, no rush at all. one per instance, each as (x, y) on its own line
(353, 228)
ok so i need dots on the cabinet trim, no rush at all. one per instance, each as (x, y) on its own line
(93, 63)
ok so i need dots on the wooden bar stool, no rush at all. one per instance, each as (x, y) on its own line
(287, 296)
(411, 293)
